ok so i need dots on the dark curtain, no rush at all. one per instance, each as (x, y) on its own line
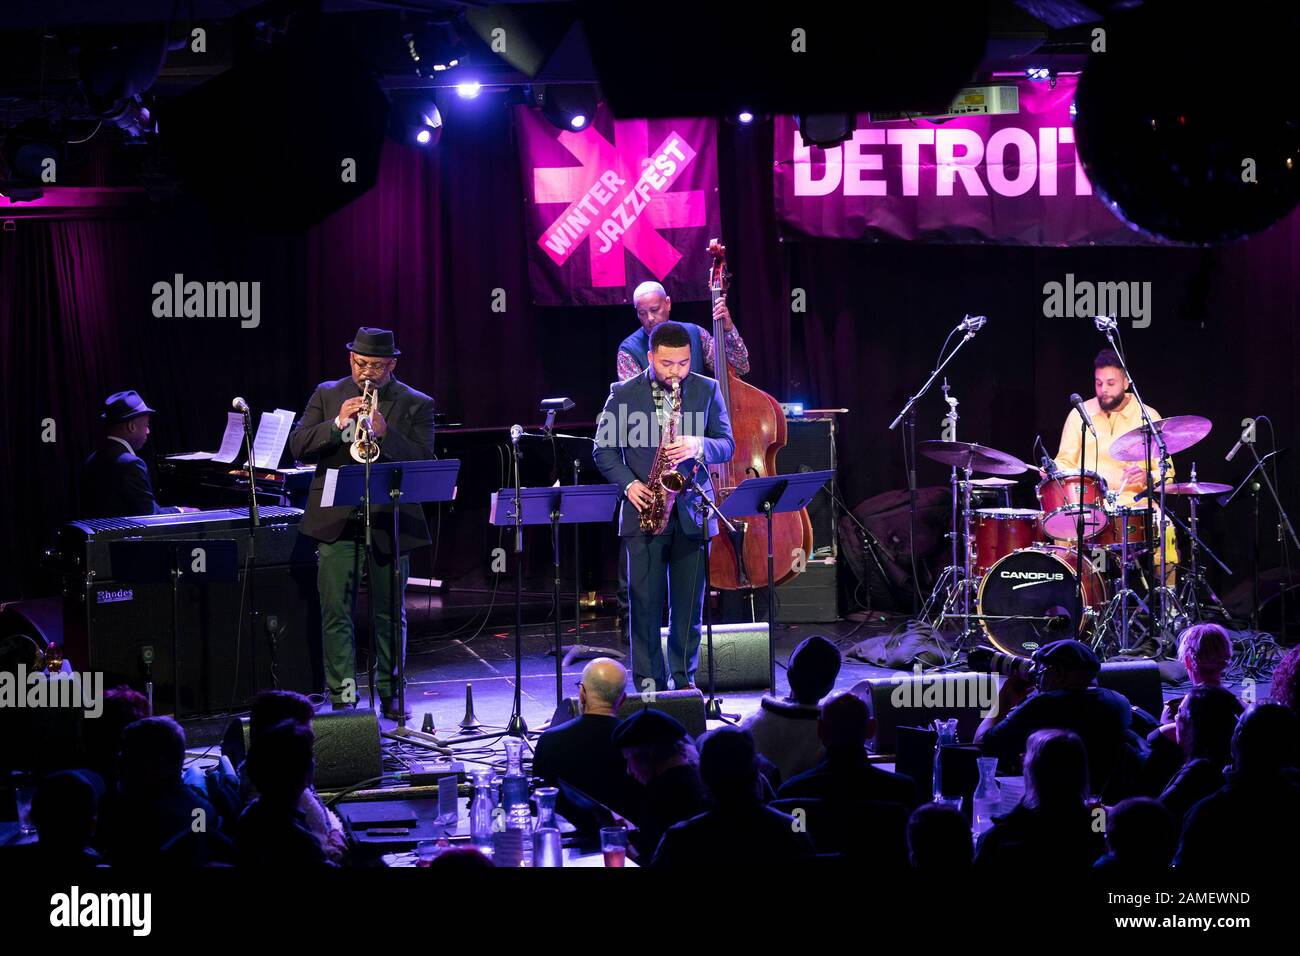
(439, 240)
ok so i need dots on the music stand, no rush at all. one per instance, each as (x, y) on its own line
(556, 505)
(156, 562)
(767, 497)
(401, 482)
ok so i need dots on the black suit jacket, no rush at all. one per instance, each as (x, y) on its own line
(409, 415)
(581, 753)
(115, 484)
(627, 439)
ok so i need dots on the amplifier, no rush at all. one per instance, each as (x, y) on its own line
(125, 620)
(810, 446)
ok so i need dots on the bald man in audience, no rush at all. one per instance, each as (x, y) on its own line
(580, 753)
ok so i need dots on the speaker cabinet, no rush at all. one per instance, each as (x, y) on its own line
(741, 654)
(127, 632)
(347, 747)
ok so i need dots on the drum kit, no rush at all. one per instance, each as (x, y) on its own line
(1017, 571)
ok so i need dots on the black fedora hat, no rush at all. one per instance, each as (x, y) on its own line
(120, 406)
(377, 343)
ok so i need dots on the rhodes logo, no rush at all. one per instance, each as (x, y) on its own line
(114, 596)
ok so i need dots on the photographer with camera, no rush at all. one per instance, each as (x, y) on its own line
(1057, 689)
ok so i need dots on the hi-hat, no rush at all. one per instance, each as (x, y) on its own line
(972, 457)
(993, 482)
(1180, 432)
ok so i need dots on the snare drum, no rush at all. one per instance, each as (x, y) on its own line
(1121, 523)
(1062, 499)
(996, 532)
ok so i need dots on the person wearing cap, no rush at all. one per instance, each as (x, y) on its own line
(661, 757)
(1066, 697)
(785, 728)
(115, 479)
(403, 429)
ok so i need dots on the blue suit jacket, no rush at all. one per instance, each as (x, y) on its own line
(627, 437)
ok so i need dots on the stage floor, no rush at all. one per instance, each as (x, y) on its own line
(464, 638)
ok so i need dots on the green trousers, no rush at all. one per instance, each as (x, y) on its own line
(339, 576)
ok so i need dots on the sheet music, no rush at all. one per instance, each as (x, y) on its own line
(272, 434)
(230, 443)
(327, 489)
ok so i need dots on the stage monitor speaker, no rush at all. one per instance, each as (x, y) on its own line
(914, 701)
(742, 658)
(685, 705)
(1139, 681)
(347, 746)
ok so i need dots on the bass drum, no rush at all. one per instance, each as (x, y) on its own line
(1026, 600)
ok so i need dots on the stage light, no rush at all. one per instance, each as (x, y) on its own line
(469, 89)
(745, 117)
(414, 118)
(1039, 72)
(825, 129)
(566, 105)
(435, 47)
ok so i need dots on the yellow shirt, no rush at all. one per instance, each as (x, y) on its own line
(1097, 452)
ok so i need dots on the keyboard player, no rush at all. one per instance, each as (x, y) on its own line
(115, 479)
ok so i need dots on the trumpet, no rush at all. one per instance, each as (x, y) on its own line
(365, 448)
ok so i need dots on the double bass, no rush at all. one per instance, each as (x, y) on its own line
(738, 560)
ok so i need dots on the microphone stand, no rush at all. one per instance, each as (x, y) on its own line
(1079, 527)
(1284, 523)
(254, 522)
(908, 416)
(1151, 434)
(707, 506)
(517, 727)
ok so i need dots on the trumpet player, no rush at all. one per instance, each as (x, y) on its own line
(636, 445)
(368, 413)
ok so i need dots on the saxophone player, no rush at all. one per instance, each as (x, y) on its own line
(634, 440)
(400, 422)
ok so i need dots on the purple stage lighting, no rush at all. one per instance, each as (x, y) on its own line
(469, 89)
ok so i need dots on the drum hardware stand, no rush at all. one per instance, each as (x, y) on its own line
(970, 325)
(965, 583)
(1196, 592)
(1153, 434)
(1120, 601)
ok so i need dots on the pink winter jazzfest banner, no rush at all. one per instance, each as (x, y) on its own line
(1012, 178)
(617, 203)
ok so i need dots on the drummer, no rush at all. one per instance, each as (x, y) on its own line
(1114, 412)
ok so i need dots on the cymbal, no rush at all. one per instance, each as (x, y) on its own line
(993, 482)
(1197, 488)
(1180, 432)
(974, 457)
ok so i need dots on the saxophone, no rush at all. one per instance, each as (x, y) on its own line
(665, 481)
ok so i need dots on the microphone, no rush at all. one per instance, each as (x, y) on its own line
(515, 432)
(239, 405)
(1077, 401)
(973, 323)
(1235, 448)
(1049, 467)
(1104, 323)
